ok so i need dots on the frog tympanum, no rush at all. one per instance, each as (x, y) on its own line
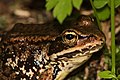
(48, 51)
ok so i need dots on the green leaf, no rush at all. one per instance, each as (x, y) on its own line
(62, 9)
(103, 13)
(117, 3)
(100, 3)
(51, 4)
(118, 76)
(106, 74)
(77, 3)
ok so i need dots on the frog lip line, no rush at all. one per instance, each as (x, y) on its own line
(79, 49)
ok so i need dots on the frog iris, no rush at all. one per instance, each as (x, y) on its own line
(70, 38)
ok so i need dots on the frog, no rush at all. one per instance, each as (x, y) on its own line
(48, 51)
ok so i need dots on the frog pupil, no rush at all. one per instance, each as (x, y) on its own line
(69, 36)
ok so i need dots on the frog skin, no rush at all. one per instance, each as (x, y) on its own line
(49, 51)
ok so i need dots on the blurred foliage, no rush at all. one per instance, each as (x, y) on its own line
(108, 74)
(63, 8)
(2, 23)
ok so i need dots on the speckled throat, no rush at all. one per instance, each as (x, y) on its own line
(49, 51)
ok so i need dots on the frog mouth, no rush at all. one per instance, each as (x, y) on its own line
(79, 50)
(81, 53)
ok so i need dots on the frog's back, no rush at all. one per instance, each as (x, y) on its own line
(23, 52)
(35, 29)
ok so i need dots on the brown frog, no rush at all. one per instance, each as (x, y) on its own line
(49, 51)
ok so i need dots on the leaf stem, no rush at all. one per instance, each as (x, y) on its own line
(95, 12)
(113, 36)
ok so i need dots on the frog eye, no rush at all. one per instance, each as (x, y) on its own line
(70, 38)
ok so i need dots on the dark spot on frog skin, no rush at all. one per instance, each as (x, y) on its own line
(56, 70)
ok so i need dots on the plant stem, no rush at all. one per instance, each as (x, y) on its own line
(113, 36)
(95, 12)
